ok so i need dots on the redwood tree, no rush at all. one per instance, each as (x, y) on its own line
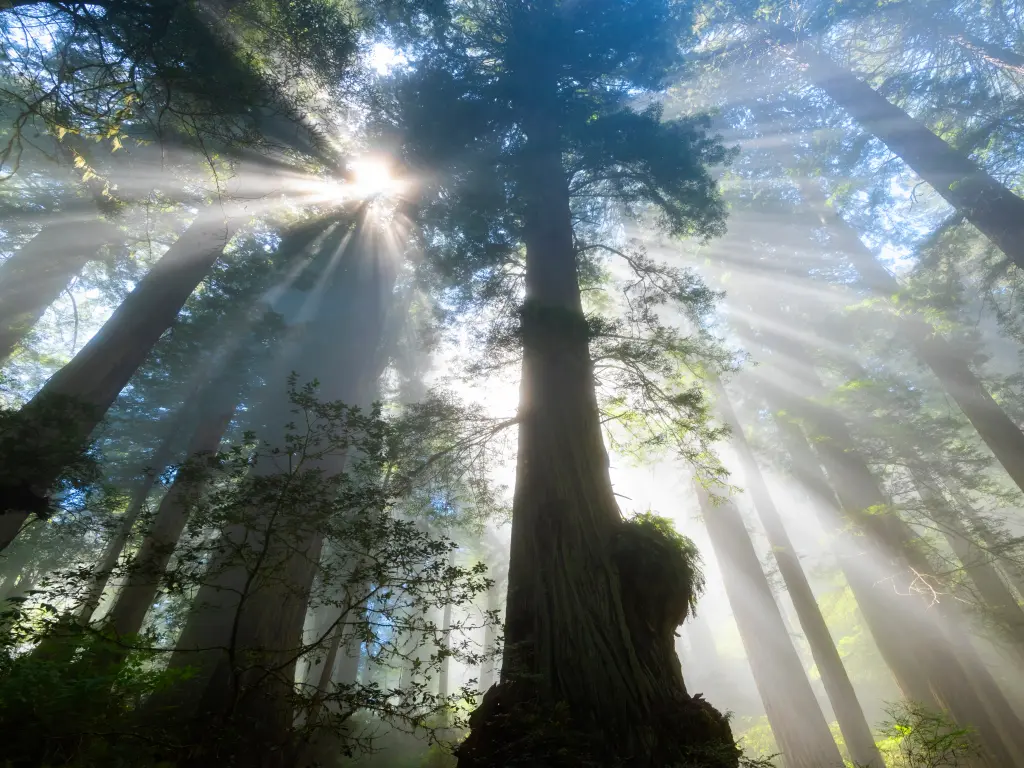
(518, 114)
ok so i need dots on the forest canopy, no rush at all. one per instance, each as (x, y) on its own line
(494, 383)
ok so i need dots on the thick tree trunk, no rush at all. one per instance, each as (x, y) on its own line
(793, 711)
(1003, 437)
(856, 732)
(245, 630)
(35, 276)
(582, 636)
(996, 211)
(56, 424)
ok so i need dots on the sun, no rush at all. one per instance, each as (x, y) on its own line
(372, 177)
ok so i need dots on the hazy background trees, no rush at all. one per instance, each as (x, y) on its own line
(271, 273)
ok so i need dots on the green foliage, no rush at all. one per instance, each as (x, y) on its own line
(384, 570)
(651, 536)
(917, 737)
(57, 710)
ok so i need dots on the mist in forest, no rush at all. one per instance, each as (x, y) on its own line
(605, 383)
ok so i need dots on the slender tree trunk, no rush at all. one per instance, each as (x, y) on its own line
(115, 546)
(582, 630)
(35, 276)
(1003, 437)
(995, 54)
(994, 548)
(987, 204)
(996, 597)
(488, 668)
(856, 732)
(444, 679)
(877, 609)
(955, 673)
(147, 569)
(57, 422)
(702, 643)
(793, 711)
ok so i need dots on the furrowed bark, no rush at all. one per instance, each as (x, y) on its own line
(35, 276)
(577, 640)
(79, 394)
(789, 702)
(854, 725)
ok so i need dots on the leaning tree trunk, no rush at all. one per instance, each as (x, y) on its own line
(147, 567)
(994, 547)
(35, 276)
(589, 633)
(999, 432)
(244, 633)
(955, 673)
(107, 564)
(877, 609)
(854, 725)
(996, 211)
(789, 702)
(997, 599)
(54, 427)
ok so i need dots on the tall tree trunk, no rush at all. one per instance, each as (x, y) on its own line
(856, 732)
(245, 628)
(996, 597)
(996, 211)
(877, 609)
(954, 671)
(56, 424)
(488, 667)
(35, 276)
(793, 711)
(584, 633)
(147, 568)
(115, 546)
(444, 679)
(1003, 437)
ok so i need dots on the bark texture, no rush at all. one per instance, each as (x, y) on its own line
(54, 427)
(589, 652)
(854, 725)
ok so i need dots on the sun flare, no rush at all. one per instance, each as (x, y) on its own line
(372, 177)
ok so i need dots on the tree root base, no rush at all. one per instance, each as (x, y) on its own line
(515, 728)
